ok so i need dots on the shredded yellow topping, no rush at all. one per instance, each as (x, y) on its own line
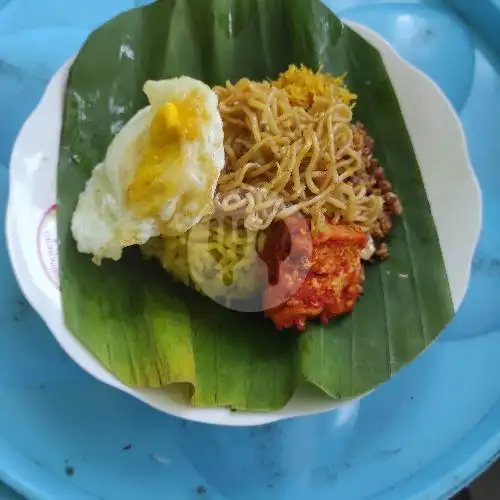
(305, 86)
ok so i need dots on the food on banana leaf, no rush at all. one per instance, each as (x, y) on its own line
(262, 193)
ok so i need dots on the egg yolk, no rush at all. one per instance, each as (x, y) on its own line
(158, 174)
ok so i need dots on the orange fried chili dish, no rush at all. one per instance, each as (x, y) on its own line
(330, 271)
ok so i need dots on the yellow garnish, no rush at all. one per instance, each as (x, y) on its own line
(304, 86)
(156, 178)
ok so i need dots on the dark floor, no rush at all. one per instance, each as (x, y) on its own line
(486, 487)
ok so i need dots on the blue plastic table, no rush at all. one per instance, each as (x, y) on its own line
(423, 435)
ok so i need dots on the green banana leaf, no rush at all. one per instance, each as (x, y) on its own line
(150, 331)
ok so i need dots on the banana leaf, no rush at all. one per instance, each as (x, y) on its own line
(150, 331)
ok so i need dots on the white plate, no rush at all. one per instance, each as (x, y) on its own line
(441, 151)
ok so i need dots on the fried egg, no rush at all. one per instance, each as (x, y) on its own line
(159, 173)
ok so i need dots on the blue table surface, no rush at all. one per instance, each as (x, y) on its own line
(421, 436)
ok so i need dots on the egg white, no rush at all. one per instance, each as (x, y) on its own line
(103, 225)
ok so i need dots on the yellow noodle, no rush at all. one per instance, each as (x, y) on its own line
(316, 152)
(290, 147)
